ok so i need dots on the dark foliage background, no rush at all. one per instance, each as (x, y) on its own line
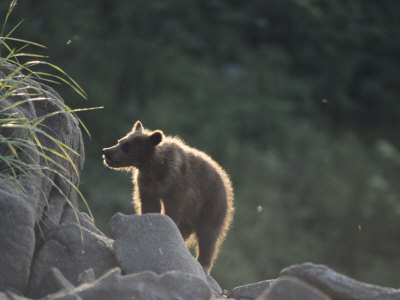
(297, 99)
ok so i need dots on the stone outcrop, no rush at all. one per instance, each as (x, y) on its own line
(339, 286)
(72, 249)
(141, 286)
(156, 240)
(291, 288)
(250, 291)
(30, 197)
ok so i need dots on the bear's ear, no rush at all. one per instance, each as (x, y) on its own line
(156, 137)
(137, 127)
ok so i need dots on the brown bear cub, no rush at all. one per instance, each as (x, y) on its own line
(191, 187)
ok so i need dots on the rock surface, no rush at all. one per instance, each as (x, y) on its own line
(151, 242)
(11, 296)
(32, 197)
(214, 286)
(290, 288)
(339, 286)
(17, 221)
(146, 285)
(72, 249)
(250, 291)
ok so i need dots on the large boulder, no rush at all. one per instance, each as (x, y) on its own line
(17, 238)
(29, 197)
(151, 242)
(339, 286)
(147, 285)
(11, 296)
(71, 249)
(291, 288)
(250, 291)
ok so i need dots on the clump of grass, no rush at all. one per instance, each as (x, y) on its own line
(22, 154)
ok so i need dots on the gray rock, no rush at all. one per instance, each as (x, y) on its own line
(71, 215)
(55, 190)
(291, 288)
(142, 286)
(250, 291)
(32, 198)
(17, 238)
(17, 205)
(64, 296)
(72, 249)
(214, 286)
(54, 281)
(11, 296)
(339, 286)
(86, 276)
(151, 242)
(62, 127)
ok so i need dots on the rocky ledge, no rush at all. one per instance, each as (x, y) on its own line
(50, 250)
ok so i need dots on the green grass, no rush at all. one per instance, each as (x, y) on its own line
(20, 147)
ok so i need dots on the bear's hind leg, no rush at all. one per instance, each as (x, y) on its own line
(208, 239)
(186, 230)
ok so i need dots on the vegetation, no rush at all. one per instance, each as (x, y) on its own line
(22, 152)
(297, 99)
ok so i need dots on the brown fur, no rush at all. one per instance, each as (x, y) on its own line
(193, 189)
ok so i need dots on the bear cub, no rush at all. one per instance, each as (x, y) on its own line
(185, 183)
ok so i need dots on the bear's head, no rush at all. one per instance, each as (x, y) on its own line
(133, 150)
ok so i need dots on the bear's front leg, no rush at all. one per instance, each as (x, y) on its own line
(150, 202)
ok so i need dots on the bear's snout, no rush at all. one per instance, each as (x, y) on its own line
(107, 155)
(112, 158)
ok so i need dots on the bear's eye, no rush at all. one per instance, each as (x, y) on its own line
(125, 147)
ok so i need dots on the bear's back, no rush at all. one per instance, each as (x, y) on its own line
(193, 168)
